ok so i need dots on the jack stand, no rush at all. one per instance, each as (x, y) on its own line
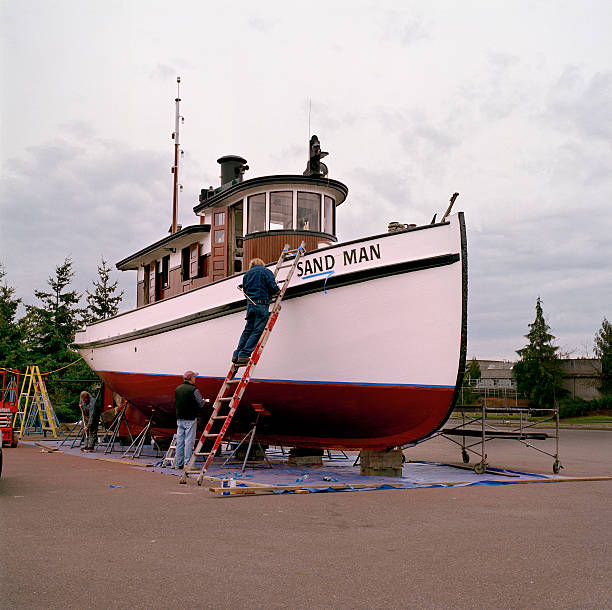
(114, 431)
(138, 442)
(78, 435)
(251, 436)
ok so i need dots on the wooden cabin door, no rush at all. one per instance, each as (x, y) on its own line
(219, 243)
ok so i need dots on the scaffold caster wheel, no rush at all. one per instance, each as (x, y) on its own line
(200, 481)
(557, 466)
(466, 456)
(480, 467)
(183, 480)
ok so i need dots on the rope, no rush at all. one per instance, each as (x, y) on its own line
(63, 367)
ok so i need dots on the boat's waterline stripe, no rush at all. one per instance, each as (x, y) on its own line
(336, 281)
(294, 381)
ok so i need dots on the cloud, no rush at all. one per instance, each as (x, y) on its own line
(80, 198)
(580, 105)
(402, 27)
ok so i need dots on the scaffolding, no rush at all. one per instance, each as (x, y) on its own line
(480, 424)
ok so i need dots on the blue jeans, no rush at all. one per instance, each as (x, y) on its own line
(185, 439)
(256, 318)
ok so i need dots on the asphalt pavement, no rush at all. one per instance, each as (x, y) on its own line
(77, 533)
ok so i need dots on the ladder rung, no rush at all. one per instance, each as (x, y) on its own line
(220, 416)
(209, 435)
(225, 398)
(201, 453)
(233, 381)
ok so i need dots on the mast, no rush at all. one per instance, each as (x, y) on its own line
(175, 167)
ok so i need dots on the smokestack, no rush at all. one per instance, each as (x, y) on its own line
(232, 168)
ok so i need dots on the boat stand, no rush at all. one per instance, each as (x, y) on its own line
(251, 436)
(335, 458)
(138, 442)
(113, 430)
(488, 432)
(78, 435)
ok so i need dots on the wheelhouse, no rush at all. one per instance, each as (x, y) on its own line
(240, 220)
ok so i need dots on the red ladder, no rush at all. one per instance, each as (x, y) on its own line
(233, 388)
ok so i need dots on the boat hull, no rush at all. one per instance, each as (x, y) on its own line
(368, 351)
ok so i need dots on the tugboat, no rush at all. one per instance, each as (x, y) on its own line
(369, 350)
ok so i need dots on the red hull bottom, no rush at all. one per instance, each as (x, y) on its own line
(302, 414)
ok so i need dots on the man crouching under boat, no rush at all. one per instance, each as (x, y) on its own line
(259, 287)
(189, 403)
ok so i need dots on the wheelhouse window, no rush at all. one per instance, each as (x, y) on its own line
(219, 219)
(308, 212)
(256, 213)
(219, 236)
(281, 210)
(329, 218)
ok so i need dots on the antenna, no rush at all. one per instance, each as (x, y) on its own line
(309, 111)
(175, 167)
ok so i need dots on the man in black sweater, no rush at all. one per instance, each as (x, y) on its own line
(189, 403)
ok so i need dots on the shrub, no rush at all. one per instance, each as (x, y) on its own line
(577, 407)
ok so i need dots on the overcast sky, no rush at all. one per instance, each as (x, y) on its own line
(508, 103)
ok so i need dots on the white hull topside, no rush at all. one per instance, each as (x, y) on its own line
(406, 327)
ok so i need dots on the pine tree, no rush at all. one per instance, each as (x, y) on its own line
(473, 372)
(538, 373)
(12, 351)
(50, 328)
(102, 303)
(603, 350)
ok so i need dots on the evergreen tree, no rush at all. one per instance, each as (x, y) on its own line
(538, 373)
(51, 327)
(102, 303)
(50, 330)
(473, 372)
(603, 350)
(12, 351)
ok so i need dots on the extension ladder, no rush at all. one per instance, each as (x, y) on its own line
(233, 388)
(35, 396)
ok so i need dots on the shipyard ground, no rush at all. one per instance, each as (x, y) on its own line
(70, 540)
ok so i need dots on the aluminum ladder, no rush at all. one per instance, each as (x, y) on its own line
(34, 404)
(233, 387)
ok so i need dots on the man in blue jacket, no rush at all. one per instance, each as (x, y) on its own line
(259, 287)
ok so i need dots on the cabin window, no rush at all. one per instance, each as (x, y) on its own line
(329, 220)
(281, 210)
(308, 212)
(256, 213)
(185, 259)
(165, 271)
(219, 219)
(219, 236)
